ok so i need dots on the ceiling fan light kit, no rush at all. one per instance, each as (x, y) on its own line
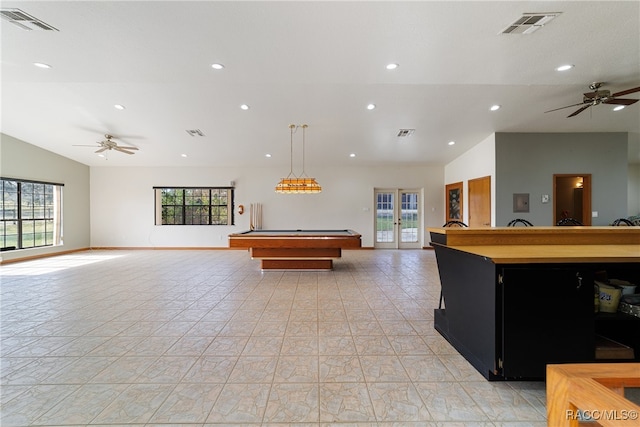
(600, 97)
(109, 144)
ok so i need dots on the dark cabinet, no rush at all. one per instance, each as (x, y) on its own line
(547, 316)
(510, 320)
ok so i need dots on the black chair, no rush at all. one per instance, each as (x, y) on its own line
(455, 224)
(517, 221)
(569, 221)
(451, 224)
(622, 221)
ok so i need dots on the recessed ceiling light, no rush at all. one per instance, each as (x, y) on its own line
(183, 155)
(352, 155)
(100, 155)
(267, 155)
(217, 66)
(618, 108)
(392, 66)
(495, 107)
(451, 143)
(41, 65)
(244, 107)
(564, 67)
(119, 107)
(371, 107)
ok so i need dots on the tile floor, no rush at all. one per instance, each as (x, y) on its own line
(205, 338)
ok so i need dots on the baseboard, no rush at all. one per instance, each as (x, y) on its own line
(161, 248)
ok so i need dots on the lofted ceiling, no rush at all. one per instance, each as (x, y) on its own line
(317, 63)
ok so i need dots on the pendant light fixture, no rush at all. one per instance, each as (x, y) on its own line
(302, 184)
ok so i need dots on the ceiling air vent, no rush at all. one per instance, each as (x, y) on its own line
(24, 20)
(195, 132)
(403, 133)
(529, 22)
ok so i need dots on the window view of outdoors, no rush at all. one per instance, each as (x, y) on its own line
(29, 214)
(195, 206)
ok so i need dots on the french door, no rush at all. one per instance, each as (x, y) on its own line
(398, 220)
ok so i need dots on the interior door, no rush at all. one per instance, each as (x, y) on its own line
(572, 197)
(480, 202)
(398, 219)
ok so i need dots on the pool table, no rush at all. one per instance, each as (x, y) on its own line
(295, 249)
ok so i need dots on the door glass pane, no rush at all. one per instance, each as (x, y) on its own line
(409, 216)
(384, 217)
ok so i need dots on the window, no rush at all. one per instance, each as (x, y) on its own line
(30, 214)
(194, 206)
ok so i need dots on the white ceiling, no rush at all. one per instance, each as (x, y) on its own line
(318, 63)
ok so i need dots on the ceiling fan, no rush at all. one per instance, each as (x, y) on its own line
(109, 144)
(600, 97)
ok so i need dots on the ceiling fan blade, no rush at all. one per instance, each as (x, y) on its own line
(628, 91)
(120, 149)
(101, 150)
(579, 110)
(79, 145)
(621, 101)
(126, 148)
(568, 106)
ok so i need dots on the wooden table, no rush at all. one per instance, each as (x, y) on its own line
(295, 249)
(597, 390)
(518, 298)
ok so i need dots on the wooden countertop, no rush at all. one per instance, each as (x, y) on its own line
(540, 254)
(587, 235)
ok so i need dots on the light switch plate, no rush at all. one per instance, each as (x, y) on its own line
(545, 198)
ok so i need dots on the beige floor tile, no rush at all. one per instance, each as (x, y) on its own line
(167, 370)
(296, 369)
(345, 402)
(397, 402)
(338, 346)
(32, 402)
(135, 405)
(211, 369)
(188, 403)
(500, 402)
(134, 341)
(240, 403)
(425, 369)
(373, 345)
(254, 369)
(293, 402)
(83, 405)
(447, 401)
(124, 370)
(340, 369)
(263, 346)
(383, 369)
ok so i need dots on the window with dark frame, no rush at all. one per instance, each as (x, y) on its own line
(194, 205)
(30, 214)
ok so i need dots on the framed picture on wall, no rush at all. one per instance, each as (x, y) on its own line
(453, 199)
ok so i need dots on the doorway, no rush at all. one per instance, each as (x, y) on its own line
(572, 197)
(398, 219)
(480, 202)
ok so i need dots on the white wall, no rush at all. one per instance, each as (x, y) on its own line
(20, 160)
(478, 162)
(122, 202)
(526, 163)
